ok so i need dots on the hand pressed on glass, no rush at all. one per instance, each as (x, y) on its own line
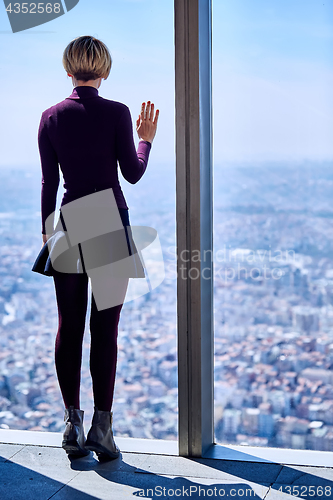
(146, 124)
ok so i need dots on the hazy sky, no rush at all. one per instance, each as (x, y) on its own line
(273, 79)
(272, 75)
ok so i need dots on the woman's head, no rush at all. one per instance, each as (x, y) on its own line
(87, 58)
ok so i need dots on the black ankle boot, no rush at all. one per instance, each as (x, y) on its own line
(73, 437)
(100, 436)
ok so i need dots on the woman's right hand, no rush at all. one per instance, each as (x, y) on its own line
(146, 124)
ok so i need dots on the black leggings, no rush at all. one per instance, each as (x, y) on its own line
(72, 300)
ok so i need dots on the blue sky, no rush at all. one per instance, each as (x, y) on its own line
(140, 38)
(272, 75)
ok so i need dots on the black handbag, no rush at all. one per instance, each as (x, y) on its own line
(43, 264)
(72, 258)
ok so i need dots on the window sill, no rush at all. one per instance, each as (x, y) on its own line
(283, 456)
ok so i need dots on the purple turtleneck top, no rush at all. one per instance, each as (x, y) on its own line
(87, 135)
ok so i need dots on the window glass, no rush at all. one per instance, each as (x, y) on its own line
(139, 36)
(273, 222)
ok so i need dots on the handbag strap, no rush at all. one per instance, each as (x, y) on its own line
(62, 220)
(68, 242)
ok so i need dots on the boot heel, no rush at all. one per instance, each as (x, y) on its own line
(73, 437)
(100, 450)
(73, 448)
(100, 436)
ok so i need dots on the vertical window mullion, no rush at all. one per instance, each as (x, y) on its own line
(194, 225)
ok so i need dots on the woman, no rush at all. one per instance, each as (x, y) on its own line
(87, 135)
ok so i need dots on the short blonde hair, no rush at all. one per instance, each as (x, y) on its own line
(87, 58)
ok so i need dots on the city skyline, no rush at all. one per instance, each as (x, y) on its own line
(273, 338)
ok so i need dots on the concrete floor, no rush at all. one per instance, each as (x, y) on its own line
(45, 472)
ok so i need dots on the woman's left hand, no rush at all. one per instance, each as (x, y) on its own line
(45, 238)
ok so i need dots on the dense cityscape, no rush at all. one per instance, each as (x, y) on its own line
(273, 313)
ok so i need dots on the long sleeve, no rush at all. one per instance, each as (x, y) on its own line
(132, 163)
(50, 172)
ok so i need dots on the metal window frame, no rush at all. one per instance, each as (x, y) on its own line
(194, 213)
